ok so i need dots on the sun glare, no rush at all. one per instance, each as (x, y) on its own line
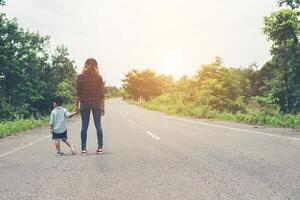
(173, 64)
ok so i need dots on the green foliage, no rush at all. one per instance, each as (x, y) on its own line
(112, 91)
(283, 28)
(66, 89)
(166, 103)
(145, 84)
(28, 80)
(247, 94)
(218, 92)
(291, 3)
(23, 64)
(62, 67)
(63, 74)
(10, 127)
(220, 88)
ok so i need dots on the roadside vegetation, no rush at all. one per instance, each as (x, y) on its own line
(266, 95)
(18, 125)
(30, 77)
(112, 92)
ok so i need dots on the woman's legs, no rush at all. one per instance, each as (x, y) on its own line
(96, 109)
(85, 112)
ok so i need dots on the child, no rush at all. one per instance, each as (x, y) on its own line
(58, 126)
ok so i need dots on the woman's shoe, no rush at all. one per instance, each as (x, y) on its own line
(99, 151)
(83, 152)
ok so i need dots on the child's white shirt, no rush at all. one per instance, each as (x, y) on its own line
(58, 119)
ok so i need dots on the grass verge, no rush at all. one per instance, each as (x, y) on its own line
(8, 128)
(11, 127)
(257, 118)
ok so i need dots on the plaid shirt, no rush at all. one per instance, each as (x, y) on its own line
(90, 88)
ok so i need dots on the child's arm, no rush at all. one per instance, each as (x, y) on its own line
(51, 122)
(69, 115)
(72, 114)
(51, 128)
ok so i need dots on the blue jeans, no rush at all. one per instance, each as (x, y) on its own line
(85, 111)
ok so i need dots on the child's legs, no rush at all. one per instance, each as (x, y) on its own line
(64, 138)
(67, 142)
(57, 144)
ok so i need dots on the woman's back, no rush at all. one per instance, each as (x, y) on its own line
(90, 88)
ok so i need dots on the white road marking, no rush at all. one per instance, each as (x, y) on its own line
(30, 144)
(236, 129)
(23, 147)
(152, 135)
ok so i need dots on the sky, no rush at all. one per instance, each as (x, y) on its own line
(169, 36)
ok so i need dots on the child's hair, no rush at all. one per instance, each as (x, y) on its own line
(58, 100)
(91, 65)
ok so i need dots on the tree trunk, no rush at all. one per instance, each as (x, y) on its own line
(286, 96)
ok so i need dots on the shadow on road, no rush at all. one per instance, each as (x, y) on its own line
(89, 154)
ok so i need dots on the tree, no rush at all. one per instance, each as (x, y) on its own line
(28, 80)
(66, 90)
(283, 28)
(23, 59)
(165, 82)
(112, 91)
(63, 74)
(250, 81)
(144, 84)
(63, 68)
(291, 3)
(219, 87)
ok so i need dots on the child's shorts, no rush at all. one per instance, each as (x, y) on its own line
(63, 136)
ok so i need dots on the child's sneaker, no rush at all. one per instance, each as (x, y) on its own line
(83, 152)
(60, 153)
(73, 150)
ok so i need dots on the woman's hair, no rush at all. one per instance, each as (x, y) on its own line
(90, 65)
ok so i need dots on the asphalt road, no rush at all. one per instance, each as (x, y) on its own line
(150, 155)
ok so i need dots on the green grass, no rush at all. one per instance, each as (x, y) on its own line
(70, 107)
(11, 127)
(19, 125)
(189, 109)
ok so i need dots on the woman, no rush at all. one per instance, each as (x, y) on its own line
(90, 94)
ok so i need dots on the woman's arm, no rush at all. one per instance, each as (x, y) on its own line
(102, 95)
(103, 106)
(77, 104)
(78, 93)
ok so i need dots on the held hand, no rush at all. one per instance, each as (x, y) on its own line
(51, 131)
(102, 111)
(77, 110)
